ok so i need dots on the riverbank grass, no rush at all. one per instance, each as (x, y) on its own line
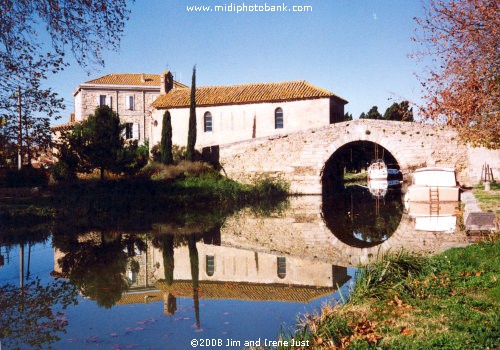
(488, 200)
(156, 189)
(406, 301)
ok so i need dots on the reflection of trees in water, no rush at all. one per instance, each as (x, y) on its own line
(195, 275)
(353, 217)
(166, 243)
(97, 266)
(31, 317)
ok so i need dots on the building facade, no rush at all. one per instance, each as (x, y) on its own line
(130, 95)
(227, 114)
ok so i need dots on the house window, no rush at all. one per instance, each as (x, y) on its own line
(207, 122)
(281, 260)
(131, 131)
(128, 130)
(102, 100)
(210, 265)
(129, 103)
(278, 118)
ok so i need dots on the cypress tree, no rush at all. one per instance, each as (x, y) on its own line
(192, 120)
(166, 139)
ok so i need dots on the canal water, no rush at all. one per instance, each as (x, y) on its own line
(215, 282)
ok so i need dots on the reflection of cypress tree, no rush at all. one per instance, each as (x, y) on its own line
(195, 273)
(168, 258)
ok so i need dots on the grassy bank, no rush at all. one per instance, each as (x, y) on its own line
(404, 301)
(185, 192)
(488, 201)
(352, 178)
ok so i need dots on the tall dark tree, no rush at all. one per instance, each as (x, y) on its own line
(166, 139)
(400, 112)
(98, 139)
(373, 113)
(362, 115)
(192, 120)
(347, 116)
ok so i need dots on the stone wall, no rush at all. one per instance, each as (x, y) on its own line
(300, 157)
(87, 100)
(477, 158)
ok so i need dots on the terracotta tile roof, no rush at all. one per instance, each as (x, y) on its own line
(246, 291)
(243, 94)
(140, 298)
(63, 127)
(131, 79)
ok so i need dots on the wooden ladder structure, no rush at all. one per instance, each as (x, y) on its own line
(434, 199)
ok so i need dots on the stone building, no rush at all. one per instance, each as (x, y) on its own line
(227, 114)
(129, 94)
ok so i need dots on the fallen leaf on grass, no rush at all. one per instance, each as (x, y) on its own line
(406, 331)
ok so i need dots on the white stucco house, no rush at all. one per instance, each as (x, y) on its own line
(227, 114)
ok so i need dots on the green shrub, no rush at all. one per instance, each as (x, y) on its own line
(62, 172)
(178, 153)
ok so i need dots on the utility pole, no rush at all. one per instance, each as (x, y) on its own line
(20, 131)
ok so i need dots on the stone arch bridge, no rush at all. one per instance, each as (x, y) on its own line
(300, 157)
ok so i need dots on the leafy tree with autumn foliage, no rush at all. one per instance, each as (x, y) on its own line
(462, 85)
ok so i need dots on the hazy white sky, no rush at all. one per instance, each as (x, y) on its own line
(358, 49)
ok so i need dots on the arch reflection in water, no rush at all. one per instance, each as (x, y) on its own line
(361, 220)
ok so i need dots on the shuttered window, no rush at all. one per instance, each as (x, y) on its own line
(210, 265)
(129, 102)
(281, 260)
(278, 118)
(207, 122)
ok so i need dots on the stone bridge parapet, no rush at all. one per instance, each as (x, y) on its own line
(300, 157)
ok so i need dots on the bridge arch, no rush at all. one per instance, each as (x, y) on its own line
(364, 133)
(300, 157)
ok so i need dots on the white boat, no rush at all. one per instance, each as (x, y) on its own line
(433, 184)
(378, 188)
(377, 170)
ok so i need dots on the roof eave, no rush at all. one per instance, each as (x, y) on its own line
(248, 102)
(116, 86)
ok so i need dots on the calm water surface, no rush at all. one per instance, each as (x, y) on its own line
(241, 278)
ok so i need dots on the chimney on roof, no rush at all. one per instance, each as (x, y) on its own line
(166, 82)
(143, 78)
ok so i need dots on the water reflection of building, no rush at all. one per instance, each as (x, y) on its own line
(224, 273)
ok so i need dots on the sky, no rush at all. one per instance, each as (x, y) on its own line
(357, 49)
